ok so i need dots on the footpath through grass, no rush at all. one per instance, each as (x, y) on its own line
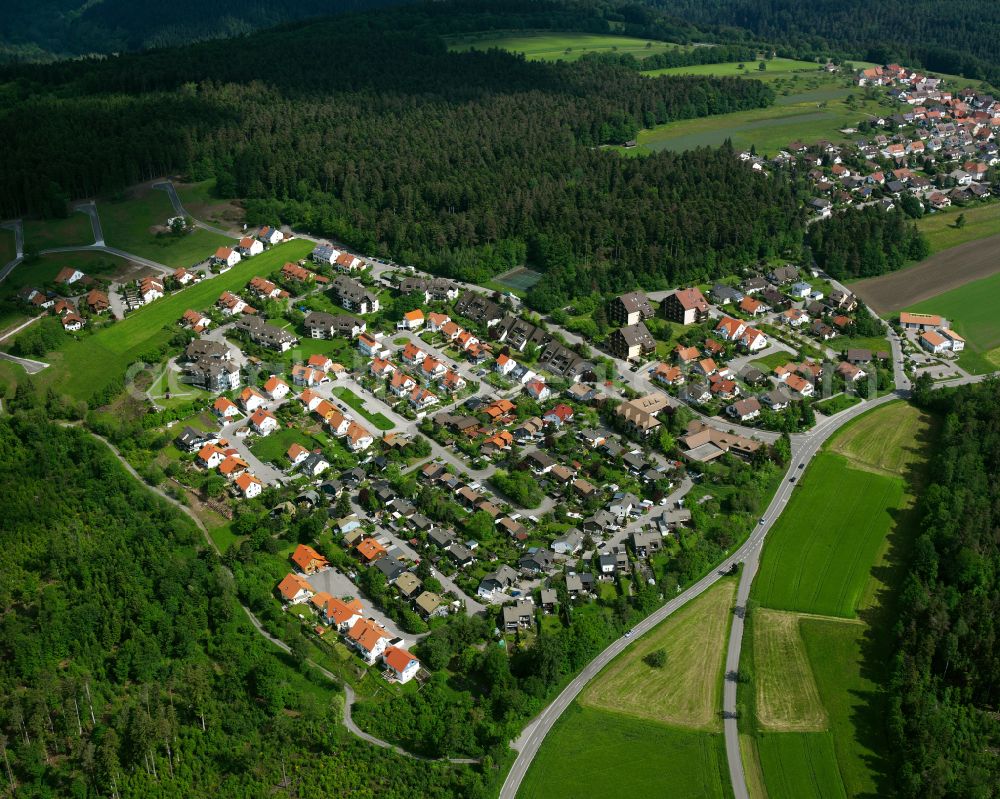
(132, 224)
(813, 708)
(593, 752)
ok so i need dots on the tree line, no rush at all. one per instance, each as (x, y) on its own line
(128, 669)
(945, 687)
(458, 162)
(865, 242)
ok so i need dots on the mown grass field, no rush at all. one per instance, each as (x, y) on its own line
(802, 663)
(808, 107)
(272, 448)
(751, 69)
(980, 221)
(972, 311)
(562, 46)
(40, 234)
(592, 752)
(819, 554)
(800, 764)
(80, 368)
(687, 691)
(130, 225)
(787, 698)
(851, 699)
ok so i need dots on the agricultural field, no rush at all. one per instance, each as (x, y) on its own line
(817, 707)
(82, 367)
(200, 201)
(133, 225)
(41, 234)
(806, 108)
(937, 275)
(972, 311)
(562, 46)
(787, 698)
(799, 764)
(844, 668)
(981, 221)
(821, 551)
(687, 691)
(751, 69)
(579, 754)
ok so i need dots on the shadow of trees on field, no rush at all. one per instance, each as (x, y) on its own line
(878, 644)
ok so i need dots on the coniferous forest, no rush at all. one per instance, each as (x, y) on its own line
(945, 690)
(127, 666)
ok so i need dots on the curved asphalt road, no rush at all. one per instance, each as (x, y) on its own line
(175, 201)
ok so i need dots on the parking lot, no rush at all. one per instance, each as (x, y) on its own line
(337, 584)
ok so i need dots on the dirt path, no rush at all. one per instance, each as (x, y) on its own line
(941, 272)
(349, 696)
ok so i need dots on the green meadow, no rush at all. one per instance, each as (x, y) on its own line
(83, 366)
(131, 225)
(820, 552)
(971, 309)
(562, 46)
(74, 230)
(597, 753)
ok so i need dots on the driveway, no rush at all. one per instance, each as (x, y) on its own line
(235, 434)
(337, 584)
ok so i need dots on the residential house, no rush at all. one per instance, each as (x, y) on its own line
(400, 664)
(226, 258)
(248, 485)
(276, 388)
(369, 638)
(496, 582)
(934, 342)
(412, 320)
(323, 325)
(685, 306)
(97, 301)
(639, 414)
(225, 409)
(270, 236)
(249, 246)
(294, 589)
(308, 560)
(520, 615)
(630, 309)
(745, 410)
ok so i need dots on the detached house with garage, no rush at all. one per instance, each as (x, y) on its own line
(226, 258)
(400, 665)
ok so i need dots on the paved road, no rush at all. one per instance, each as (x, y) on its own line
(18, 228)
(179, 209)
(90, 209)
(531, 739)
(32, 367)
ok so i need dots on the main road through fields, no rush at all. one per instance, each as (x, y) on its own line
(804, 446)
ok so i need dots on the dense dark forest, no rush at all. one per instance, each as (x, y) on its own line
(946, 686)
(864, 242)
(383, 148)
(958, 36)
(126, 665)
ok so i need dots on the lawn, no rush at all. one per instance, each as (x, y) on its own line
(349, 397)
(837, 403)
(562, 46)
(687, 691)
(787, 699)
(40, 234)
(79, 368)
(980, 221)
(873, 343)
(853, 701)
(43, 269)
(272, 448)
(819, 554)
(8, 249)
(795, 116)
(972, 311)
(751, 69)
(800, 764)
(583, 755)
(131, 225)
(768, 362)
